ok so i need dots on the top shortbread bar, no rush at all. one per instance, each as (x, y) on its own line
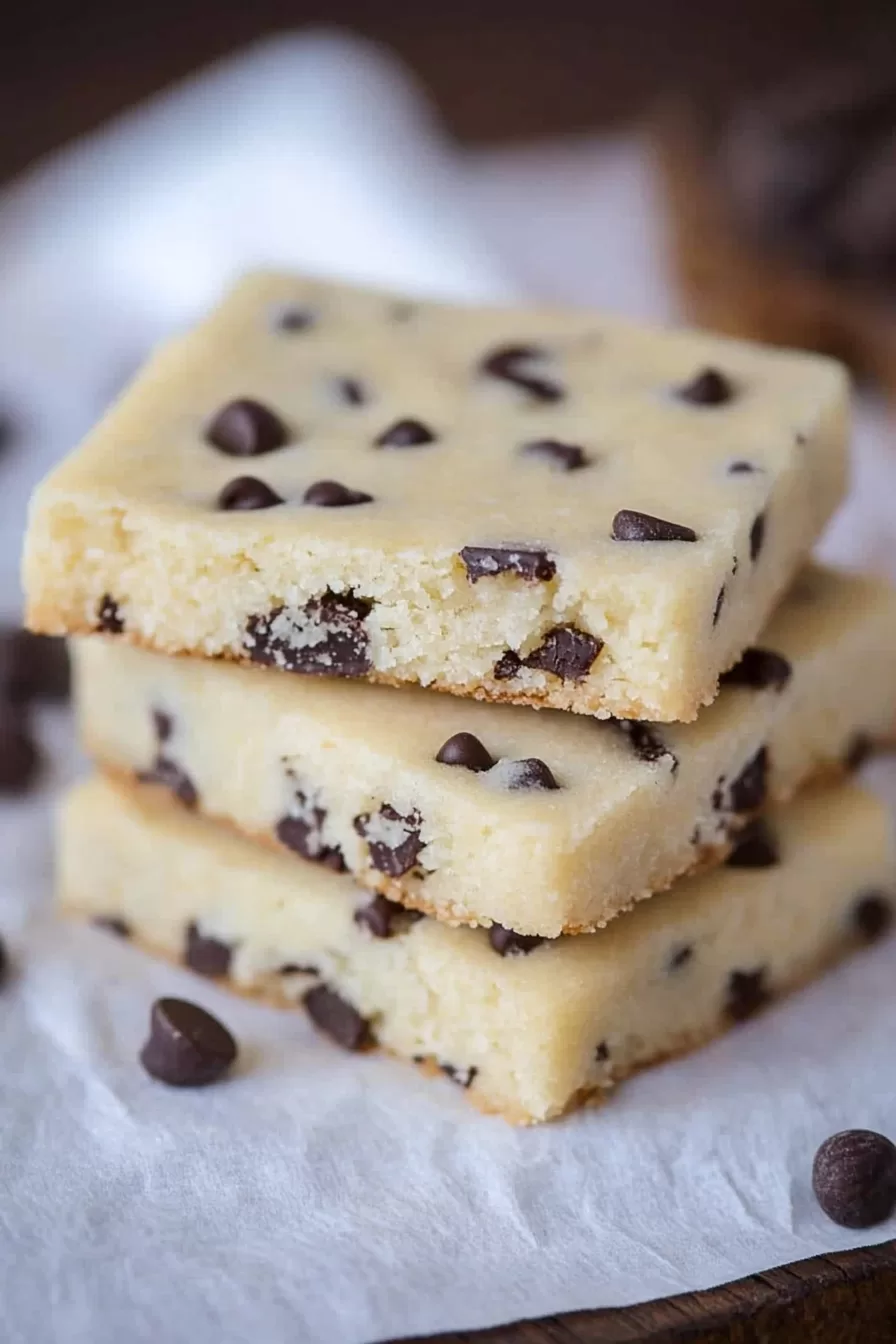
(553, 508)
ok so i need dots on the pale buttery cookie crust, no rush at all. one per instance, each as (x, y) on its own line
(531, 1028)
(544, 823)
(553, 508)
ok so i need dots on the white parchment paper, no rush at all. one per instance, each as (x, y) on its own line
(315, 1196)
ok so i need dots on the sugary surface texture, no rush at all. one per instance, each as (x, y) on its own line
(532, 1032)
(336, 771)
(491, 468)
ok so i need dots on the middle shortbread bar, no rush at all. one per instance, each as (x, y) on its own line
(541, 822)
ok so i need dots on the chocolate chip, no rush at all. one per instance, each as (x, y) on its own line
(187, 1047)
(383, 830)
(20, 759)
(334, 495)
(246, 428)
(109, 618)
(759, 669)
(646, 741)
(350, 391)
(872, 915)
(338, 1019)
(707, 388)
(483, 562)
(757, 536)
(680, 957)
(465, 750)
(32, 667)
(294, 320)
(562, 456)
(746, 994)
(741, 468)
(509, 362)
(717, 609)
(325, 637)
(463, 1077)
(565, 651)
(112, 924)
(854, 1177)
(602, 1053)
(755, 847)
(171, 776)
(208, 956)
(331, 858)
(405, 434)
(507, 666)
(747, 792)
(9, 431)
(163, 724)
(529, 773)
(629, 525)
(247, 492)
(858, 752)
(295, 968)
(400, 311)
(384, 918)
(509, 943)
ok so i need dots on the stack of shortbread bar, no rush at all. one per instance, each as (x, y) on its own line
(594, 537)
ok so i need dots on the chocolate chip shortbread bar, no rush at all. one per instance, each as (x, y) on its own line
(552, 508)
(542, 823)
(528, 1028)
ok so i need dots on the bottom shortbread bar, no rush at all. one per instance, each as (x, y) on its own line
(530, 1028)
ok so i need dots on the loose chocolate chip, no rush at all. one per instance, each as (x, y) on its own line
(384, 918)
(858, 752)
(747, 792)
(629, 525)
(351, 391)
(325, 637)
(562, 456)
(508, 363)
(872, 915)
(32, 667)
(509, 943)
(163, 724)
(246, 428)
(208, 956)
(757, 536)
(759, 669)
(602, 1053)
(746, 994)
(565, 651)
(854, 1177)
(338, 1019)
(717, 609)
(294, 320)
(382, 830)
(755, 847)
(463, 1077)
(109, 618)
(187, 1047)
(531, 773)
(405, 434)
(466, 750)
(171, 776)
(112, 924)
(483, 562)
(334, 495)
(507, 666)
(707, 388)
(247, 492)
(680, 957)
(741, 468)
(646, 741)
(20, 759)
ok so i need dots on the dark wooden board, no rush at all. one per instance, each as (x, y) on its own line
(845, 1298)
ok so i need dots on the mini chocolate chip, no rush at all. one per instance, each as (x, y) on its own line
(562, 456)
(872, 915)
(112, 924)
(466, 750)
(392, 859)
(294, 320)
(602, 1053)
(858, 752)
(483, 562)
(463, 1077)
(509, 943)
(531, 773)
(734, 567)
(508, 363)
(680, 957)
(245, 493)
(754, 847)
(854, 1178)
(507, 666)
(380, 914)
(163, 724)
(295, 968)
(759, 669)
(208, 956)
(246, 428)
(757, 536)
(171, 776)
(338, 1019)
(646, 741)
(351, 391)
(746, 994)
(109, 618)
(334, 495)
(629, 525)
(717, 609)
(187, 1047)
(282, 638)
(707, 388)
(741, 468)
(747, 792)
(566, 652)
(20, 758)
(33, 667)
(405, 434)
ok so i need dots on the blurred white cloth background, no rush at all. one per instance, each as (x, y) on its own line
(318, 1197)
